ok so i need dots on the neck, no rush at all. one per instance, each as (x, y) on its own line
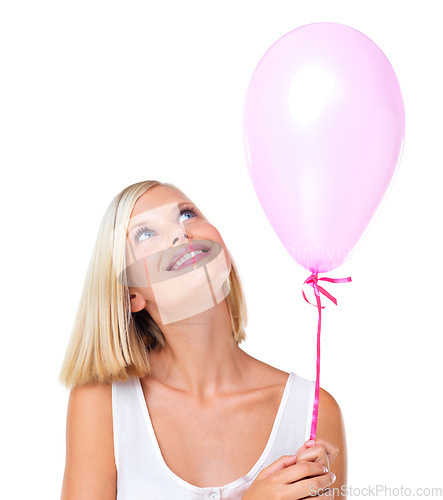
(200, 355)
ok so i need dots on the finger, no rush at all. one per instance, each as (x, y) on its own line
(280, 464)
(331, 449)
(302, 448)
(299, 471)
(317, 447)
(312, 486)
(315, 454)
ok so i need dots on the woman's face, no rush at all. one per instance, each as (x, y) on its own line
(177, 261)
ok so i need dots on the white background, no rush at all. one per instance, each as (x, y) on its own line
(95, 96)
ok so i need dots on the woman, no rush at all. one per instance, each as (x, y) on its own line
(164, 403)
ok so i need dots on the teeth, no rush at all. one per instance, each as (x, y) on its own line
(185, 258)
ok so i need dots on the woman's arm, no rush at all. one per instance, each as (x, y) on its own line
(330, 426)
(90, 472)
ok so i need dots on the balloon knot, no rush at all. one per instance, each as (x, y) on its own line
(313, 282)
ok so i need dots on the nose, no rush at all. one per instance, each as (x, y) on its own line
(177, 238)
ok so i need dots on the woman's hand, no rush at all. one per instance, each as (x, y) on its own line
(318, 450)
(290, 478)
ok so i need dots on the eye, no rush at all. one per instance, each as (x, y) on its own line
(143, 232)
(140, 234)
(188, 209)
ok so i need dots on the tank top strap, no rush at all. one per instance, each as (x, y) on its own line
(295, 425)
(139, 472)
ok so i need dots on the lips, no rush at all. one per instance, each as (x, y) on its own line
(186, 249)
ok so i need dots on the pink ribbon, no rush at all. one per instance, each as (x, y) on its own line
(313, 281)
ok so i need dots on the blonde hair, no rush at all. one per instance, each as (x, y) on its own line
(109, 343)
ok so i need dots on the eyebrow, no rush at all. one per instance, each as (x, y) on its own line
(147, 222)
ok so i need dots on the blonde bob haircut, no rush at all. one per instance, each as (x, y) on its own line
(108, 342)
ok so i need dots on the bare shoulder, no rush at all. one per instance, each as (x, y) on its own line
(264, 374)
(90, 466)
(330, 426)
(330, 418)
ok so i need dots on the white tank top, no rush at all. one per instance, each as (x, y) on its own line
(143, 474)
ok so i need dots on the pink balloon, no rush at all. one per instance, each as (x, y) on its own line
(323, 132)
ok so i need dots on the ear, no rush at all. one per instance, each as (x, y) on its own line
(138, 302)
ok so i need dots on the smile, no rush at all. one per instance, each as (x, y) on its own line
(189, 258)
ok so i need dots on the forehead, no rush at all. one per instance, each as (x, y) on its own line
(156, 197)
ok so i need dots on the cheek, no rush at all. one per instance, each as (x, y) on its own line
(228, 260)
(214, 235)
(151, 250)
(207, 231)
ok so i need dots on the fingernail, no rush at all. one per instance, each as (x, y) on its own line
(333, 476)
(325, 468)
(311, 441)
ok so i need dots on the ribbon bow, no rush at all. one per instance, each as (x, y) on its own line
(313, 281)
